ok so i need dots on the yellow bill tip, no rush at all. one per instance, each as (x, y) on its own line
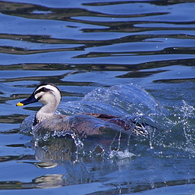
(19, 104)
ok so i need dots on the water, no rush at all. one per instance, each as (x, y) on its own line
(85, 47)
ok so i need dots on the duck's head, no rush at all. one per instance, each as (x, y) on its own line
(44, 93)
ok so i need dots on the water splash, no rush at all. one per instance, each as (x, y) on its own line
(177, 129)
(188, 113)
(79, 144)
(119, 100)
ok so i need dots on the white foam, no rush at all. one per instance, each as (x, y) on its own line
(121, 154)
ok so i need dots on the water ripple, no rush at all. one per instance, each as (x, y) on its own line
(85, 44)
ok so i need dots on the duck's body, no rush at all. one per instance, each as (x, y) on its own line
(87, 124)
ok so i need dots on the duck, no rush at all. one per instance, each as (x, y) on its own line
(82, 124)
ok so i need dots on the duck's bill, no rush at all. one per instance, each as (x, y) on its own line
(29, 100)
(19, 104)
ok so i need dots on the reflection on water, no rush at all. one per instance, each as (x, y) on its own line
(85, 46)
(58, 150)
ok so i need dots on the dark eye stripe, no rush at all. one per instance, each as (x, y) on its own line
(43, 89)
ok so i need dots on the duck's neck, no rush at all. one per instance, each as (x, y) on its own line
(47, 111)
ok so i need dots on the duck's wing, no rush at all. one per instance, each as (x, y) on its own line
(92, 124)
(101, 116)
(125, 123)
(131, 125)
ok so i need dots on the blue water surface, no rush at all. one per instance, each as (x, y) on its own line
(93, 51)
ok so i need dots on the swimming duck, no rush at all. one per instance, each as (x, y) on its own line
(84, 124)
